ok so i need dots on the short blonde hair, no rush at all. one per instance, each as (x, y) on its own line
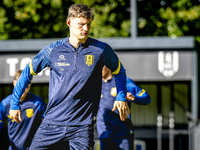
(17, 74)
(80, 10)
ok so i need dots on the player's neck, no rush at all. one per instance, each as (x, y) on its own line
(75, 42)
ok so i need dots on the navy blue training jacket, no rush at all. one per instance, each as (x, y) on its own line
(75, 80)
(109, 124)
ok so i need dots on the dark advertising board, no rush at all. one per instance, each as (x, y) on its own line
(140, 65)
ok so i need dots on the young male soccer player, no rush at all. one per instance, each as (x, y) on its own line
(112, 132)
(74, 86)
(32, 111)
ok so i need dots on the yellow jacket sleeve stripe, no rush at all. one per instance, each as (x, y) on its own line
(31, 69)
(118, 68)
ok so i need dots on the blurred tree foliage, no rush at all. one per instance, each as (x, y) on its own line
(169, 18)
(29, 19)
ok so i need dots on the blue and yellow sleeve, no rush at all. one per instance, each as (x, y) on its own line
(20, 87)
(120, 79)
(141, 96)
(39, 62)
(2, 115)
(113, 63)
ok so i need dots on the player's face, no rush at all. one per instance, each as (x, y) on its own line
(79, 28)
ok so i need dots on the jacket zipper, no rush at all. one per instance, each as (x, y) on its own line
(76, 55)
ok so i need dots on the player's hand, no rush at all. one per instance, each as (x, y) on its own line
(123, 109)
(129, 96)
(16, 115)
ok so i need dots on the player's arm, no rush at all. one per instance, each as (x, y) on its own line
(121, 102)
(141, 97)
(112, 62)
(39, 62)
(2, 116)
(22, 83)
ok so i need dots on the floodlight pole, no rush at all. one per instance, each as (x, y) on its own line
(133, 8)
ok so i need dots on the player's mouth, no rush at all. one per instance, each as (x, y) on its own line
(85, 34)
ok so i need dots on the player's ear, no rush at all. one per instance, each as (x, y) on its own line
(14, 82)
(68, 22)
